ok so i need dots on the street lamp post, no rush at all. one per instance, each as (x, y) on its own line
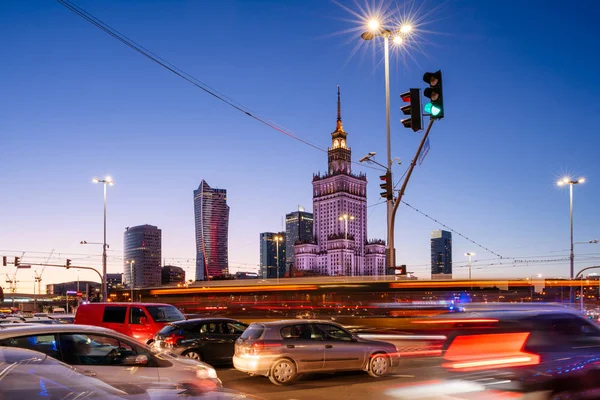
(571, 182)
(277, 239)
(469, 254)
(131, 262)
(106, 181)
(345, 218)
(593, 241)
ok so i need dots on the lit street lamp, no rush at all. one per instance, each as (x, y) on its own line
(277, 239)
(106, 181)
(571, 182)
(469, 254)
(345, 218)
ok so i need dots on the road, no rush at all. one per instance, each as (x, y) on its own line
(344, 385)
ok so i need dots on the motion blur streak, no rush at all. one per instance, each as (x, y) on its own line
(228, 289)
(455, 321)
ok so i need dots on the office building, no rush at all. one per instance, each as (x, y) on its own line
(339, 243)
(142, 256)
(272, 255)
(114, 282)
(441, 255)
(172, 275)
(298, 229)
(211, 214)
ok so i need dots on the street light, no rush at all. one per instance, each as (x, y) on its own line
(131, 262)
(593, 241)
(277, 239)
(106, 181)
(374, 29)
(345, 218)
(571, 182)
(469, 254)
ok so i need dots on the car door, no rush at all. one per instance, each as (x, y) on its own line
(230, 331)
(215, 344)
(139, 326)
(305, 347)
(108, 358)
(342, 350)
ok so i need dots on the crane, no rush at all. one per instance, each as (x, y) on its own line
(38, 279)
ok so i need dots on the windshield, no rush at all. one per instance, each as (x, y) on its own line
(165, 313)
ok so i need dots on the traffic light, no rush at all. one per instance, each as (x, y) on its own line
(434, 92)
(413, 108)
(4, 261)
(17, 261)
(68, 263)
(387, 186)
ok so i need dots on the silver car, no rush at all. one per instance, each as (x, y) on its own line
(112, 357)
(284, 349)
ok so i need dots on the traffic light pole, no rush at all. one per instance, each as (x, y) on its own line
(73, 266)
(405, 183)
(390, 259)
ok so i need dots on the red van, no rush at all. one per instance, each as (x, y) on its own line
(138, 320)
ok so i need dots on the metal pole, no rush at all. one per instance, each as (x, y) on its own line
(581, 296)
(131, 278)
(470, 267)
(572, 255)
(104, 286)
(277, 262)
(391, 259)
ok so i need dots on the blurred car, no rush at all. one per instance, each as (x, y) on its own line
(282, 350)
(28, 374)
(553, 353)
(63, 318)
(112, 357)
(204, 339)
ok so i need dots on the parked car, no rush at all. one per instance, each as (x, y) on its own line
(28, 374)
(204, 339)
(138, 320)
(112, 357)
(284, 349)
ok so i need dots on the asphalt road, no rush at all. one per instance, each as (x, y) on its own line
(332, 386)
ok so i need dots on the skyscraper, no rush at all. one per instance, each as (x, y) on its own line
(340, 244)
(298, 228)
(142, 256)
(211, 214)
(441, 255)
(272, 255)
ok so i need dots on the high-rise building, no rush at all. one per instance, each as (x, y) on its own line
(339, 245)
(142, 255)
(114, 282)
(211, 214)
(272, 255)
(441, 255)
(298, 229)
(172, 275)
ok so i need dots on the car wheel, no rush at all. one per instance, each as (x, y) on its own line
(194, 355)
(379, 365)
(282, 372)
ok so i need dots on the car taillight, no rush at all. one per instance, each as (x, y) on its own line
(256, 348)
(496, 350)
(172, 339)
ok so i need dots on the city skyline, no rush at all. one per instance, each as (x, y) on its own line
(490, 174)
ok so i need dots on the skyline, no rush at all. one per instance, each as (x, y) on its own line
(83, 105)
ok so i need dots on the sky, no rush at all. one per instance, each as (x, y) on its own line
(519, 94)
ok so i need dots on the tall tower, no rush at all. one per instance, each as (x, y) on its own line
(143, 246)
(441, 254)
(298, 228)
(211, 214)
(339, 155)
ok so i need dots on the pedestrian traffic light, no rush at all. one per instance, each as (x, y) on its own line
(435, 108)
(413, 109)
(68, 263)
(388, 192)
(17, 261)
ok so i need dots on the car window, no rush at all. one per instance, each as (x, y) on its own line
(43, 343)
(253, 332)
(114, 314)
(135, 315)
(210, 328)
(83, 349)
(332, 332)
(165, 313)
(565, 325)
(233, 328)
(299, 332)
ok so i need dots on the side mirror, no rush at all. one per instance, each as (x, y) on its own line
(143, 320)
(140, 359)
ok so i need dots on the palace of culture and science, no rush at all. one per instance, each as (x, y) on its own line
(339, 245)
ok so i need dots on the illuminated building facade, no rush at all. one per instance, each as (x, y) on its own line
(339, 245)
(298, 228)
(172, 274)
(441, 255)
(211, 214)
(143, 246)
(272, 261)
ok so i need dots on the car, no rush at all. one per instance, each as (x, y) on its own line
(282, 350)
(28, 374)
(138, 320)
(112, 357)
(205, 339)
(549, 352)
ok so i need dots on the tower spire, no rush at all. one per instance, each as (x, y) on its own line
(339, 127)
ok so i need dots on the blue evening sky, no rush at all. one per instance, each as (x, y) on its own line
(520, 98)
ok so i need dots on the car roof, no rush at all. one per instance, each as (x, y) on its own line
(203, 319)
(40, 329)
(125, 304)
(295, 322)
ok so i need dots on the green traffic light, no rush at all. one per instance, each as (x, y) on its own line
(431, 109)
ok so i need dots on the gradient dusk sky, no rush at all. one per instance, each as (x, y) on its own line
(520, 98)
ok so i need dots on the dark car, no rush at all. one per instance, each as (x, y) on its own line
(211, 340)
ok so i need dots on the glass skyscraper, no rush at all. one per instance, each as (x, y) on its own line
(441, 255)
(270, 258)
(143, 246)
(298, 228)
(211, 214)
